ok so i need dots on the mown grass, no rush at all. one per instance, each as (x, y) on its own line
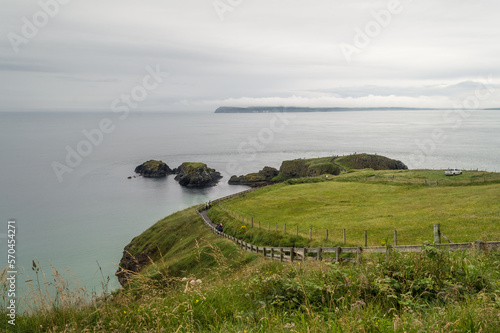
(379, 202)
(421, 176)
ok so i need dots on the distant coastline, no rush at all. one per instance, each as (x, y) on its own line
(270, 109)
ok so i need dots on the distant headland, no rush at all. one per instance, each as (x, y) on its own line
(270, 109)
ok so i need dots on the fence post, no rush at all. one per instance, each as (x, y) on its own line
(292, 254)
(281, 254)
(304, 252)
(318, 253)
(437, 233)
(358, 255)
(480, 245)
(285, 228)
(366, 238)
(338, 252)
(252, 222)
(395, 238)
(310, 233)
(297, 229)
(388, 249)
(326, 234)
(272, 254)
(264, 252)
(343, 232)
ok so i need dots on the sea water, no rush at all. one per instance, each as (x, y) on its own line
(77, 213)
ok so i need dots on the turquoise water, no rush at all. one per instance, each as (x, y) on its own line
(85, 217)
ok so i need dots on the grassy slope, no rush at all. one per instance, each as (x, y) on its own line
(182, 245)
(432, 291)
(379, 203)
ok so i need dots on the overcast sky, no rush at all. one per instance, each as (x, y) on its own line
(87, 54)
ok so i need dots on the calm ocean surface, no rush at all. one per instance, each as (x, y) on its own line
(95, 211)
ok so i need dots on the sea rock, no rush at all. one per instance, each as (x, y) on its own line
(153, 169)
(261, 178)
(196, 175)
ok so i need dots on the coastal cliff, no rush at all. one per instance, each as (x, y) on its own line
(272, 109)
(313, 167)
(261, 178)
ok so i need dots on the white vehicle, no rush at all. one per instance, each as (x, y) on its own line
(453, 172)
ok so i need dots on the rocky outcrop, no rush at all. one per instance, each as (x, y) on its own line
(196, 175)
(131, 264)
(261, 178)
(153, 169)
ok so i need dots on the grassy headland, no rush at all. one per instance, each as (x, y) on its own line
(197, 282)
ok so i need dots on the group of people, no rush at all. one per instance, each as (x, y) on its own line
(208, 205)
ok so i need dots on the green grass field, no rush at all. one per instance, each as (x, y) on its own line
(198, 282)
(466, 206)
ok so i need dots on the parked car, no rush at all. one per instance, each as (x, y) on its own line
(453, 172)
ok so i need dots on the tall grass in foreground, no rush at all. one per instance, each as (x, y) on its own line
(431, 291)
(49, 303)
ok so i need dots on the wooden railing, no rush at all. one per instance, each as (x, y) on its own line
(334, 253)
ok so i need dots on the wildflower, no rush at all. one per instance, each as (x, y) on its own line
(197, 301)
(125, 312)
(383, 243)
(299, 263)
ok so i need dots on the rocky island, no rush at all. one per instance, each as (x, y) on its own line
(313, 167)
(153, 169)
(187, 174)
(196, 175)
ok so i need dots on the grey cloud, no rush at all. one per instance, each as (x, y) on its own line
(280, 51)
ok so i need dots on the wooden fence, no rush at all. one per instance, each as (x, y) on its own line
(335, 253)
(283, 227)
